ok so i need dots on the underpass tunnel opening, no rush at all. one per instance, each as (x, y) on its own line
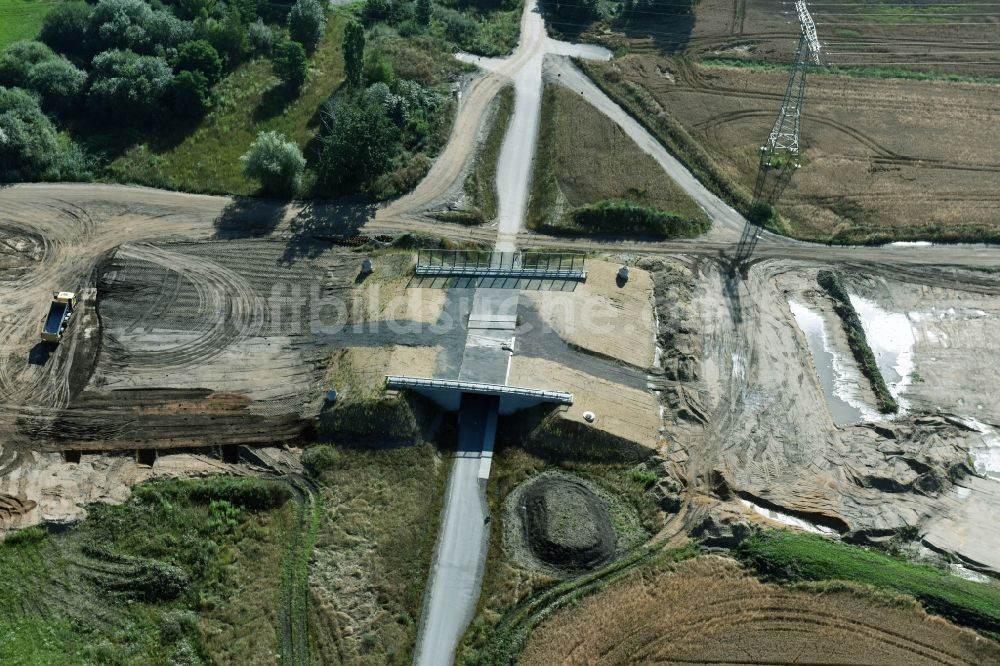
(146, 457)
(477, 421)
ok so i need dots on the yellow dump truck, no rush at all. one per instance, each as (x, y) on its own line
(60, 313)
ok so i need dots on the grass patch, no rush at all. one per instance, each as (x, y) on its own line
(846, 33)
(485, 28)
(178, 574)
(642, 106)
(373, 549)
(855, 72)
(793, 556)
(22, 19)
(857, 341)
(481, 182)
(894, 14)
(468, 217)
(591, 178)
(937, 233)
(621, 217)
(249, 101)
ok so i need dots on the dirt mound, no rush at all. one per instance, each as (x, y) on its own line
(11, 506)
(566, 524)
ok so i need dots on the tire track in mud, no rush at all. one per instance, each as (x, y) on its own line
(293, 613)
(690, 77)
(228, 310)
(770, 611)
(883, 154)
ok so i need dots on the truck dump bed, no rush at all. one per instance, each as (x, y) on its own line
(53, 323)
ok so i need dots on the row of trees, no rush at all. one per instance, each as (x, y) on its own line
(142, 61)
(128, 62)
(369, 127)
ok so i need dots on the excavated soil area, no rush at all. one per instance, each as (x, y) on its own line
(566, 524)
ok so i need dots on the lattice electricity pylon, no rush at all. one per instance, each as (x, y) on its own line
(779, 157)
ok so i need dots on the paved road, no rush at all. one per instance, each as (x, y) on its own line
(518, 149)
(457, 571)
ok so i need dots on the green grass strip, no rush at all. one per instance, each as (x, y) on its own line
(793, 556)
(857, 341)
(857, 72)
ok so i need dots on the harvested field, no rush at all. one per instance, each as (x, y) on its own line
(916, 35)
(709, 610)
(600, 317)
(882, 158)
(582, 157)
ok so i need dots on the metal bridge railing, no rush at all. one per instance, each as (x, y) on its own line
(477, 263)
(399, 381)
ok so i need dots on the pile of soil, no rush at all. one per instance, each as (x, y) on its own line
(567, 524)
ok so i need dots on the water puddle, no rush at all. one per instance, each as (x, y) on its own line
(891, 338)
(839, 378)
(789, 520)
(969, 574)
(985, 454)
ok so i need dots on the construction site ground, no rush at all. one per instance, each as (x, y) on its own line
(209, 322)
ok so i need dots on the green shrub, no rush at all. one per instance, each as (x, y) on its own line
(354, 53)
(643, 477)
(64, 27)
(134, 25)
(260, 38)
(359, 141)
(291, 64)
(225, 517)
(243, 492)
(29, 147)
(26, 537)
(127, 87)
(247, 493)
(856, 339)
(276, 162)
(306, 23)
(422, 12)
(190, 94)
(320, 458)
(18, 59)
(614, 217)
(458, 27)
(200, 56)
(58, 83)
